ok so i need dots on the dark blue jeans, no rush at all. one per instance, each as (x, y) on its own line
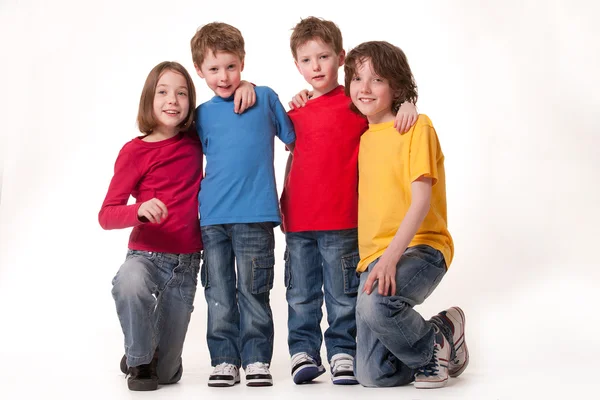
(321, 264)
(154, 295)
(393, 339)
(240, 321)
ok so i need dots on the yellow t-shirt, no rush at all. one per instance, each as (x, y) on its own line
(388, 163)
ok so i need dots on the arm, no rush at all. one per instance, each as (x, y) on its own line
(385, 269)
(406, 117)
(244, 97)
(115, 213)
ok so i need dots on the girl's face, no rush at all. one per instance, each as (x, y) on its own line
(371, 94)
(171, 102)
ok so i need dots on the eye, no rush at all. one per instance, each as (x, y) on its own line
(213, 69)
(304, 60)
(162, 91)
(182, 93)
(324, 57)
(231, 66)
(355, 79)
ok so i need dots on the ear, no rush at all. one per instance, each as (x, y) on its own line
(297, 66)
(242, 66)
(198, 71)
(342, 58)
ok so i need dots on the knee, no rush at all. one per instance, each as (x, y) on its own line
(377, 311)
(131, 280)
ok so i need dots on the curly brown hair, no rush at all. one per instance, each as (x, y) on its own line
(390, 63)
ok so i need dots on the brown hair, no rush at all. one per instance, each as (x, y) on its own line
(316, 28)
(217, 36)
(145, 119)
(390, 63)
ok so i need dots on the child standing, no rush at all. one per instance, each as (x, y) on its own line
(238, 208)
(320, 206)
(405, 247)
(155, 287)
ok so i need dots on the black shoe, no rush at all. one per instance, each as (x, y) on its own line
(143, 377)
(123, 365)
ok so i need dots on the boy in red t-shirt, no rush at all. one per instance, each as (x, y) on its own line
(319, 207)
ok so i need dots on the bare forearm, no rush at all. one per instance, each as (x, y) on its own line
(406, 232)
(288, 166)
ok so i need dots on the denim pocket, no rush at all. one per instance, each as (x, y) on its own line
(287, 274)
(262, 274)
(204, 273)
(189, 282)
(351, 279)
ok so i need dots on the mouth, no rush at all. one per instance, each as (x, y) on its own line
(223, 87)
(366, 100)
(171, 113)
(318, 77)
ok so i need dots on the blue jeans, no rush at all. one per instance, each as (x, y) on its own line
(240, 321)
(393, 339)
(321, 264)
(154, 295)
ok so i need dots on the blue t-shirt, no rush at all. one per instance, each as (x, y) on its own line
(239, 186)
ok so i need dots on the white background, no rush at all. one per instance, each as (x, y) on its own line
(512, 88)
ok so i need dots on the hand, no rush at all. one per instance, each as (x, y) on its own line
(406, 117)
(153, 211)
(300, 99)
(244, 97)
(384, 272)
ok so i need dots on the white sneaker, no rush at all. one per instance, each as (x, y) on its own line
(435, 374)
(224, 375)
(454, 319)
(342, 369)
(258, 374)
(305, 368)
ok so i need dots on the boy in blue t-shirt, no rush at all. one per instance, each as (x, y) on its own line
(238, 209)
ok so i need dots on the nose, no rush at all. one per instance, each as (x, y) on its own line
(223, 76)
(172, 98)
(315, 65)
(365, 86)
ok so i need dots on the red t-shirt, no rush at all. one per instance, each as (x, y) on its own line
(171, 171)
(321, 191)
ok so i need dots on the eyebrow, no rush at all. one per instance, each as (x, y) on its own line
(179, 87)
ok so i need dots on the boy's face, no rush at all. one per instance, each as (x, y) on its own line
(222, 72)
(319, 65)
(171, 103)
(371, 94)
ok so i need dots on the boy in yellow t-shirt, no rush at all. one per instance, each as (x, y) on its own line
(404, 244)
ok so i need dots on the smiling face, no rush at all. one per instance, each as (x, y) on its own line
(371, 94)
(171, 103)
(222, 72)
(319, 65)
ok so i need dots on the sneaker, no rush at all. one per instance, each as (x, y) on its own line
(454, 319)
(435, 374)
(305, 368)
(224, 375)
(143, 377)
(342, 369)
(258, 374)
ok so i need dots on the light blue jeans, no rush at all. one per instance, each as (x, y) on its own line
(240, 321)
(393, 339)
(154, 295)
(321, 265)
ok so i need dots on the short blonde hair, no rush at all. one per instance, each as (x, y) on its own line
(217, 36)
(316, 28)
(145, 119)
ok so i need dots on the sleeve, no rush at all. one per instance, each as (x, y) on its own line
(424, 153)
(285, 128)
(115, 213)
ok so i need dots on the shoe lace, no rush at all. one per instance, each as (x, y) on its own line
(431, 369)
(257, 368)
(224, 369)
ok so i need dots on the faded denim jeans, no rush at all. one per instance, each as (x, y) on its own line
(240, 321)
(154, 295)
(321, 265)
(393, 339)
